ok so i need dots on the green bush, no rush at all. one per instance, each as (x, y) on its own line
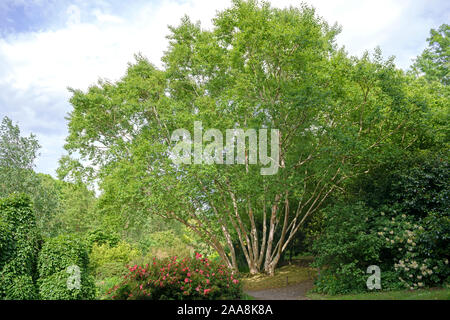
(6, 243)
(346, 248)
(55, 287)
(173, 279)
(21, 288)
(164, 244)
(406, 233)
(56, 256)
(19, 247)
(100, 237)
(104, 255)
(110, 269)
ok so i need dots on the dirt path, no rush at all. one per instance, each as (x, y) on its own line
(293, 292)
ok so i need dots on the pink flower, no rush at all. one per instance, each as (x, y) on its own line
(186, 280)
(235, 281)
(188, 274)
(206, 291)
(207, 281)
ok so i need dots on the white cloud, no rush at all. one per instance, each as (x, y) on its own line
(36, 68)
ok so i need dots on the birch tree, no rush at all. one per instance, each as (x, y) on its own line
(257, 68)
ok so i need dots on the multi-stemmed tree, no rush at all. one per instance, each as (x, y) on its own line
(257, 68)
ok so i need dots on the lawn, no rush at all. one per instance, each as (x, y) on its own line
(421, 294)
(300, 272)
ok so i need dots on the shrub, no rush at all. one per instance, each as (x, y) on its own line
(104, 255)
(404, 228)
(56, 256)
(21, 288)
(55, 287)
(101, 237)
(346, 248)
(164, 244)
(6, 243)
(189, 279)
(19, 246)
(104, 285)
(110, 269)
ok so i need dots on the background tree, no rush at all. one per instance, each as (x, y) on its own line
(434, 62)
(17, 156)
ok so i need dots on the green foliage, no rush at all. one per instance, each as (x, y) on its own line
(56, 256)
(165, 244)
(76, 208)
(346, 248)
(6, 242)
(434, 62)
(257, 67)
(17, 155)
(21, 288)
(102, 237)
(54, 287)
(19, 246)
(404, 228)
(104, 256)
(174, 279)
(104, 285)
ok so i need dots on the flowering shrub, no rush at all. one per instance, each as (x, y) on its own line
(403, 226)
(407, 251)
(187, 279)
(415, 262)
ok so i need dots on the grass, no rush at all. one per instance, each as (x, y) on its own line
(301, 271)
(247, 297)
(421, 294)
(293, 273)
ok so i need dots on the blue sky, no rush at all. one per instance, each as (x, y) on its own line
(49, 45)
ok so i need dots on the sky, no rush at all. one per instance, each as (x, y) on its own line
(47, 46)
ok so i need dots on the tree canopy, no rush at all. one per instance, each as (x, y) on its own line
(258, 67)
